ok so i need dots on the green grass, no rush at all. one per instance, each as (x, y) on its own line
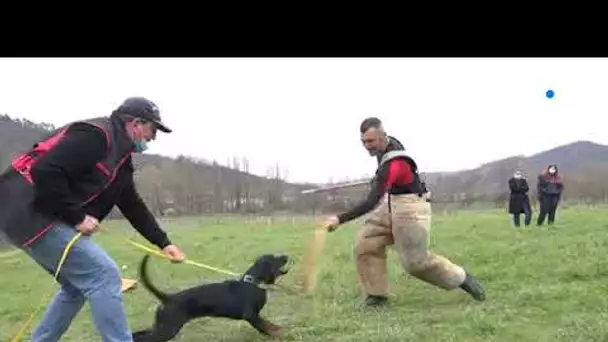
(542, 285)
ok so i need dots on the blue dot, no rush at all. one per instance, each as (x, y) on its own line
(550, 93)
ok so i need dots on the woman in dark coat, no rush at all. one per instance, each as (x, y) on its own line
(550, 188)
(519, 203)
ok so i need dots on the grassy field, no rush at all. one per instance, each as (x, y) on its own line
(542, 284)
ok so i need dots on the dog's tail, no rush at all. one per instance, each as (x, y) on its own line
(143, 275)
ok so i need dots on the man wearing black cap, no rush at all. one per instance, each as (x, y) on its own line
(67, 183)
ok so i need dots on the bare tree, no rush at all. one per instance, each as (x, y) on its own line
(247, 185)
(278, 187)
(218, 188)
(237, 186)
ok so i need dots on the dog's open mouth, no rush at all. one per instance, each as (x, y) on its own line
(271, 267)
(284, 270)
(286, 266)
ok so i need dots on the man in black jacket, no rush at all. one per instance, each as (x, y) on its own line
(67, 183)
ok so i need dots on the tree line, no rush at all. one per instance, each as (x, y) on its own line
(188, 186)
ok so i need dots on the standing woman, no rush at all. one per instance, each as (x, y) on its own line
(519, 202)
(550, 188)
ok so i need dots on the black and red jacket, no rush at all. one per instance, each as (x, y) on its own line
(82, 168)
(550, 185)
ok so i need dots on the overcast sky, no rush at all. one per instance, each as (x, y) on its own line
(304, 113)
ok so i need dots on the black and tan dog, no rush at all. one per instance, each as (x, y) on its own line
(235, 299)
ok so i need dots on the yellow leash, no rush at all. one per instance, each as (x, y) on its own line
(190, 262)
(200, 265)
(66, 250)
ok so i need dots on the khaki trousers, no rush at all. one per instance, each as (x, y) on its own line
(409, 233)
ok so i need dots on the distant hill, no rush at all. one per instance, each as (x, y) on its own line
(187, 186)
(180, 185)
(583, 164)
(580, 161)
(572, 156)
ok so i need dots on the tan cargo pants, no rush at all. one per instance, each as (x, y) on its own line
(411, 222)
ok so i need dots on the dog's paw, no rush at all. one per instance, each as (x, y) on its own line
(276, 331)
(272, 326)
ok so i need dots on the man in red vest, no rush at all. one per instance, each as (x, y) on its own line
(68, 183)
(401, 216)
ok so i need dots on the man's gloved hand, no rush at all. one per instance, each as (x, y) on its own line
(331, 223)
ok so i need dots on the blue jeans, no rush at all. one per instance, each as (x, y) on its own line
(88, 273)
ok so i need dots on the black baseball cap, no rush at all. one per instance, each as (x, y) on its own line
(140, 107)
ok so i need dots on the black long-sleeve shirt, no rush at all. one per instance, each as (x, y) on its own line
(80, 149)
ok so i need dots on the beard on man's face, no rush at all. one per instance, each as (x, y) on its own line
(374, 151)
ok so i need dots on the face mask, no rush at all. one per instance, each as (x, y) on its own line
(517, 175)
(141, 146)
(551, 170)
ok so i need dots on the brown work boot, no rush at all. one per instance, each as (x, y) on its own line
(473, 287)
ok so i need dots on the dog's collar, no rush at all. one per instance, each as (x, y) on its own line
(249, 279)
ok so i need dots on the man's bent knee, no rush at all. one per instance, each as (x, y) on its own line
(361, 248)
(371, 247)
(372, 240)
(416, 264)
